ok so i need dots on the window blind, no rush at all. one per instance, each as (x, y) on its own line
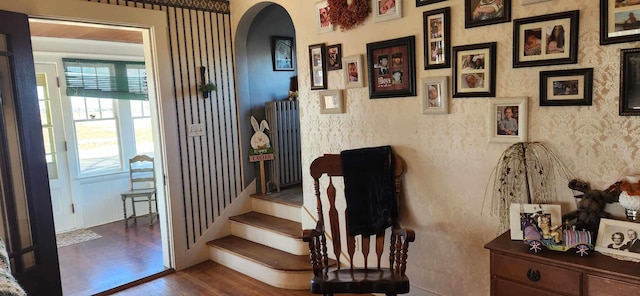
(106, 79)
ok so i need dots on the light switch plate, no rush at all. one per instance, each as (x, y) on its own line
(196, 130)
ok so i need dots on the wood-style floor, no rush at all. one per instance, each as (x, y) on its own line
(122, 255)
(209, 278)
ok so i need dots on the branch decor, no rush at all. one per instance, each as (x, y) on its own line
(348, 16)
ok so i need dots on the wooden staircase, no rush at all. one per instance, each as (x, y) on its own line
(266, 243)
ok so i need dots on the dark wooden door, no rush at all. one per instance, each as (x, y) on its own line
(25, 204)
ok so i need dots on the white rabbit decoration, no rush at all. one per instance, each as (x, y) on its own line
(259, 140)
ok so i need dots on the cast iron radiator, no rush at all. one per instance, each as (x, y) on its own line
(284, 123)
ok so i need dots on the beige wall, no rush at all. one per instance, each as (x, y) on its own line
(449, 157)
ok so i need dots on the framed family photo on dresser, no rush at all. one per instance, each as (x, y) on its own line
(546, 40)
(437, 40)
(619, 21)
(474, 70)
(619, 238)
(392, 68)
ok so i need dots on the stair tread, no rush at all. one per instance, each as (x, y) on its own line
(262, 254)
(288, 196)
(286, 227)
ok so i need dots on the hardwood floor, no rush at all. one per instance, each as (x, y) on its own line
(120, 256)
(209, 278)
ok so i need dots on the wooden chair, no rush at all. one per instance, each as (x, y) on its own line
(142, 188)
(329, 280)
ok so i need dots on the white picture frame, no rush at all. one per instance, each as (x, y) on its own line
(435, 95)
(386, 10)
(516, 211)
(353, 79)
(607, 228)
(499, 120)
(321, 15)
(331, 102)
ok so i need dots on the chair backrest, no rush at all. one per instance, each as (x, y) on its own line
(331, 166)
(142, 174)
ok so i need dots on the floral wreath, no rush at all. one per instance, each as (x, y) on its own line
(348, 16)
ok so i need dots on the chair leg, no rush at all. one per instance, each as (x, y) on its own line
(124, 210)
(151, 216)
(133, 205)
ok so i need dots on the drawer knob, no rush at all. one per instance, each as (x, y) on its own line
(533, 275)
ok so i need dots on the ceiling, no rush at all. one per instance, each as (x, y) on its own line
(49, 29)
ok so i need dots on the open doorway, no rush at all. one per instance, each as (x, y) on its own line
(90, 130)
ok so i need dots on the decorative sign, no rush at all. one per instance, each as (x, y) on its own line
(260, 145)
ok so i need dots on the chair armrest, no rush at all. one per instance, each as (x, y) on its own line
(407, 233)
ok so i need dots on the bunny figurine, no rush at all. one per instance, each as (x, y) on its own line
(259, 140)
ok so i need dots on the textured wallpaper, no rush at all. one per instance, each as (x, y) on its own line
(449, 159)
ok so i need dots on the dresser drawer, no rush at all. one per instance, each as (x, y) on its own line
(550, 278)
(502, 287)
(598, 286)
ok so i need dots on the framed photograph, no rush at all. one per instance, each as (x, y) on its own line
(334, 57)
(618, 237)
(318, 66)
(566, 87)
(619, 21)
(508, 120)
(527, 2)
(629, 77)
(282, 53)
(486, 12)
(519, 212)
(437, 41)
(354, 76)
(392, 68)
(425, 2)
(331, 102)
(435, 95)
(474, 70)
(546, 40)
(321, 13)
(386, 10)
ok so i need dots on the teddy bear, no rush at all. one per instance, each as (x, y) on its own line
(591, 206)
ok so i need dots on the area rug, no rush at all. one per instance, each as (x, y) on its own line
(75, 237)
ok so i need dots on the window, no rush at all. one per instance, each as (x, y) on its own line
(111, 114)
(47, 125)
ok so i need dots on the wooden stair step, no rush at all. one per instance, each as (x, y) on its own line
(288, 196)
(286, 227)
(262, 254)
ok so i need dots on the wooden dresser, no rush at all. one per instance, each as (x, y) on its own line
(517, 271)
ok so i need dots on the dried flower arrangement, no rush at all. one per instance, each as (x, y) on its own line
(526, 173)
(348, 16)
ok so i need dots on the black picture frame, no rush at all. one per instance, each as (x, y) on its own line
(572, 87)
(318, 66)
(629, 77)
(474, 70)
(282, 53)
(334, 57)
(610, 32)
(473, 17)
(535, 41)
(426, 2)
(392, 68)
(437, 38)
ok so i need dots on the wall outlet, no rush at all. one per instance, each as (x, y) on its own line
(195, 130)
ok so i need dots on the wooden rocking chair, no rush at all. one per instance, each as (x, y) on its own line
(327, 281)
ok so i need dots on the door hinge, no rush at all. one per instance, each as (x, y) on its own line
(73, 209)
(65, 146)
(58, 81)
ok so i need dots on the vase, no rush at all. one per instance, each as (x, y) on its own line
(631, 205)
